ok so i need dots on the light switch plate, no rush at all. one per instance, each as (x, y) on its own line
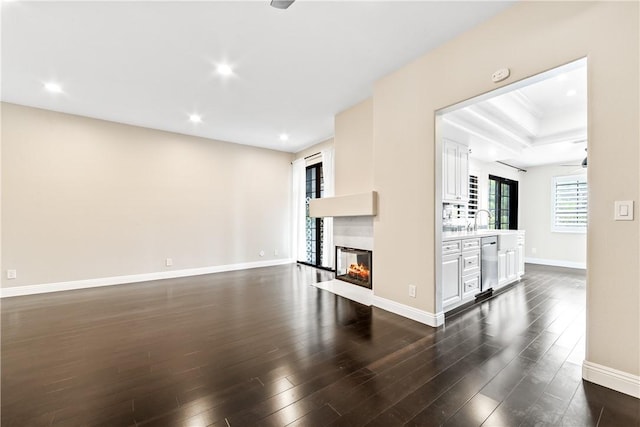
(623, 210)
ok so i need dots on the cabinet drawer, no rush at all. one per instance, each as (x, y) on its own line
(471, 284)
(451, 247)
(471, 245)
(470, 262)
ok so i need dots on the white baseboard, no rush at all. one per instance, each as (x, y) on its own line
(133, 278)
(611, 378)
(409, 312)
(556, 263)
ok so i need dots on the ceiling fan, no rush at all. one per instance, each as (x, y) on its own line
(583, 164)
(281, 4)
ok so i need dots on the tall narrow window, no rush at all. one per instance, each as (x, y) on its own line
(569, 202)
(503, 203)
(314, 226)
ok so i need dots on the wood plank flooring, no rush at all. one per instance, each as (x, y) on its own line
(263, 348)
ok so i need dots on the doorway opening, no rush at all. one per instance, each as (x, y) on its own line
(512, 162)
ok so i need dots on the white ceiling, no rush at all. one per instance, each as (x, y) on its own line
(537, 121)
(153, 64)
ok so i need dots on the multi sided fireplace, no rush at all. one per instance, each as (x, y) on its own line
(354, 266)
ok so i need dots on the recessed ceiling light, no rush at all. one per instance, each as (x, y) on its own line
(53, 87)
(571, 92)
(224, 70)
(284, 137)
(195, 118)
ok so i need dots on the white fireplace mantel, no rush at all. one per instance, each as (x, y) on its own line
(363, 204)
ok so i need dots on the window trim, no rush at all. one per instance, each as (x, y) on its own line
(580, 178)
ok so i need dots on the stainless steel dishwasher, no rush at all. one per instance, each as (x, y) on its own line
(489, 262)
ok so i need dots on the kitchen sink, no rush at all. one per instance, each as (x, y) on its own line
(507, 240)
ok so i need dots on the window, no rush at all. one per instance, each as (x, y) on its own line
(503, 203)
(569, 204)
(314, 226)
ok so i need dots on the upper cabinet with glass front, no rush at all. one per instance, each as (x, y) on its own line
(455, 172)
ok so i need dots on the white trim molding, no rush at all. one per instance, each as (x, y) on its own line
(556, 263)
(355, 293)
(611, 378)
(133, 278)
(364, 204)
(412, 313)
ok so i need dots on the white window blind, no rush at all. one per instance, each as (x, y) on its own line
(473, 196)
(569, 204)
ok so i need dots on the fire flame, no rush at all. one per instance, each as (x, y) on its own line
(359, 271)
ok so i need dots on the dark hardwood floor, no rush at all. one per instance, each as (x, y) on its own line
(263, 348)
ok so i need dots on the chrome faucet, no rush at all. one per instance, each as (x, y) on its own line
(475, 218)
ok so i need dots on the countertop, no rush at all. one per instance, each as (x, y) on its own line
(457, 235)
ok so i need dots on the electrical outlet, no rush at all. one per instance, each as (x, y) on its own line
(275, 252)
(412, 291)
(261, 253)
(534, 251)
(168, 262)
(12, 274)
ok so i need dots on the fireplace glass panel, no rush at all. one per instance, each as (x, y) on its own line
(354, 266)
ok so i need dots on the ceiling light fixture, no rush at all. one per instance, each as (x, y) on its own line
(194, 118)
(284, 137)
(53, 87)
(572, 92)
(224, 70)
(281, 4)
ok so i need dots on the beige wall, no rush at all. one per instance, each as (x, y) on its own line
(354, 149)
(529, 38)
(85, 198)
(536, 214)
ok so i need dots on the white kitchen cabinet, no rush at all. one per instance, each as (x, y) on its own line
(470, 286)
(449, 171)
(460, 272)
(462, 266)
(502, 268)
(520, 260)
(520, 253)
(511, 259)
(451, 289)
(507, 266)
(470, 262)
(455, 172)
(512, 266)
